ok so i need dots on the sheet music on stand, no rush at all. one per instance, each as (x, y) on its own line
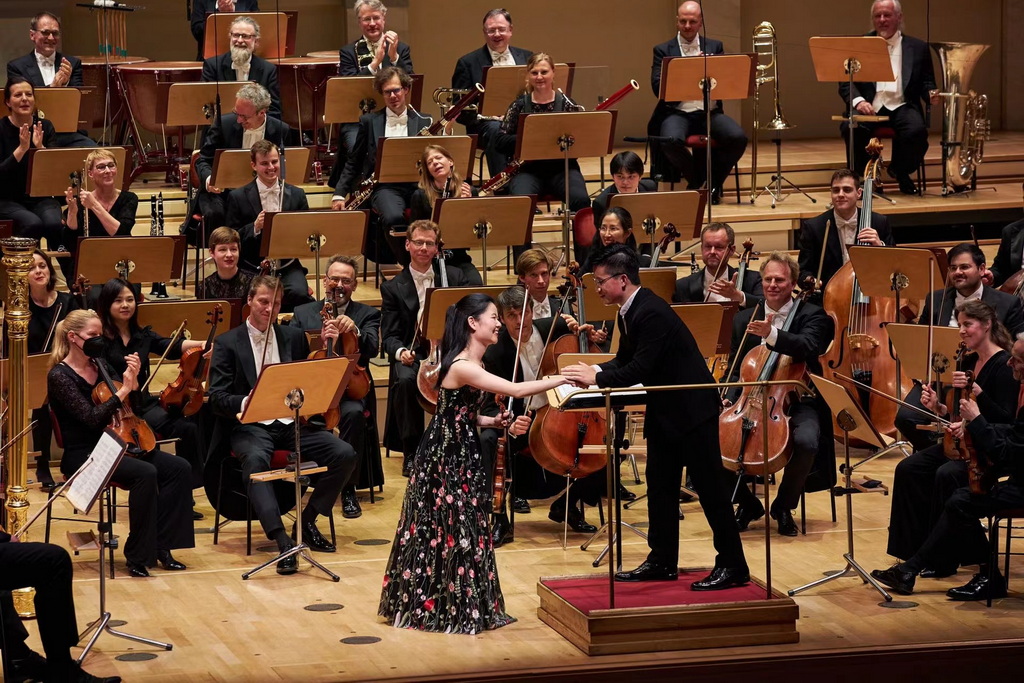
(568, 397)
(94, 474)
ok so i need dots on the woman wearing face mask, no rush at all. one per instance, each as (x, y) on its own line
(159, 484)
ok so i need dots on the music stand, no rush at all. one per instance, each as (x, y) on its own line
(500, 221)
(49, 170)
(294, 234)
(346, 98)
(503, 84)
(680, 208)
(279, 394)
(731, 77)
(157, 259)
(60, 105)
(661, 281)
(232, 168)
(839, 58)
(165, 316)
(272, 44)
(569, 135)
(195, 105)
(398, 158)
(710, 325)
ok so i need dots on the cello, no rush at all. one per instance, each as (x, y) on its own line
(557, 439)
(861, 347)
(186, 391)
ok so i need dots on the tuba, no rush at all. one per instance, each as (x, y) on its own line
(766, 51)
(965, 124)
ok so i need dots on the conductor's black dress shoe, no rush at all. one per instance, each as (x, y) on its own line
(649, 571)
(721, 578)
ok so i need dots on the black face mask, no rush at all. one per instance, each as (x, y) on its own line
(94, 347)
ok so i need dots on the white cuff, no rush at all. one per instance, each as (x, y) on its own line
(773, 337)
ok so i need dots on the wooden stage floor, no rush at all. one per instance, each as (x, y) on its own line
(226, 629)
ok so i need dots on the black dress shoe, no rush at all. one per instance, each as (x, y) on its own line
(312, 537)
(521, 506)
(288, 565)
(747, 513)
(501, 530)
(787, 527)
(980, 588)
(407, 467)
(900, 580)
(43, 475)
(350, 506)
(649, 571)
(83, 676)
(29, 666)
(196, 515)
(168, 562)
(625, 495)
(929, 573)
(716, 196)
(721, 578)
(579, 524)
(907, 184)
(137, 570)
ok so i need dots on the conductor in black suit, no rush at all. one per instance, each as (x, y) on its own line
(402, 299)
(238, 357)
(364, 321)
(656, 348)
(902, 100)
(240, 63)
(678, 120)
(809, 333)
(842, 222)
(247, 123)
(46, 67)
(469, 71)
(202, 8)
(717, 244)
(246, 213)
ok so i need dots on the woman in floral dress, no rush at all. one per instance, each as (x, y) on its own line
(442, 575)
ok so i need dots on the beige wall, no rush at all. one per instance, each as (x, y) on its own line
(610, 41)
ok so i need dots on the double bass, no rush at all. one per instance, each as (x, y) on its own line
(861, 347)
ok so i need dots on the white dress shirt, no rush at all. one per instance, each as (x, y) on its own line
(976, 294)
(251, 137)
(890, 94)
(777, 322)
(502, 58)
(47, 67)
(689, 49)
(256, 339)
(242, 72)
(847, 231)
(396, 125)
(270, 196)
(542, 308)
(709, 278)
(423, 282)
(530, 357)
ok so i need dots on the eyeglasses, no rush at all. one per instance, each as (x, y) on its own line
(599, 281)
(242, 36)
(496, 31)
(394, 92)
(104, 167)
(244, 117)
(429, 244)
(343, 281)
(49, 34)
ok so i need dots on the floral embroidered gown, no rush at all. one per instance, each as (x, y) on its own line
(442, 575)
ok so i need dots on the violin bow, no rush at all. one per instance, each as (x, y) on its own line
(53, 328)
(824, 245)
(743, 340)
(174, 338)
(927, 413)
(718, 270)
(270, 326)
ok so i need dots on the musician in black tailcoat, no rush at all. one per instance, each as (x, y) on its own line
(247, 207)
(678, 120)
(402, 299)
(339, 283)
(965, 279)
(717, 244)
(469, 71)
(238, 357)
(533, 268)
(810, 422)
(656, 348)
(240, 63)
(247, 123)
(202, 8)
(842, 221)
(1008, 259)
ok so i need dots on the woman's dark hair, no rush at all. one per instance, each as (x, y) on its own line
(624, 218)
(112, 289)
(16, 80)
(52, 282)
(456, 329)
(984, 313)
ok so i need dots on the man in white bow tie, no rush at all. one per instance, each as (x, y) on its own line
(397, 119)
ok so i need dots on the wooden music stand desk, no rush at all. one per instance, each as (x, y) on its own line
(503, 84)
(232, 168)
(302, 234)
(732, 77)
(438, 299)
(488, 221)
(49, 170)
(349, 97)
(652, 210)
(710, 325)
(165, 316)
(193, 104)
(149, 259)
(60, 105)
(915, 270)
(911, 344)
(397, 158)
(272, 44)
(661, 281)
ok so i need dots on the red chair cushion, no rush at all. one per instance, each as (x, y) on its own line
(699, 141)
(884, 132)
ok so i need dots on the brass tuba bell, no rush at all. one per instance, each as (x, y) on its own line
(965, 124)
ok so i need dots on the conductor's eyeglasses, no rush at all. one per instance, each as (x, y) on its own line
(599, 281)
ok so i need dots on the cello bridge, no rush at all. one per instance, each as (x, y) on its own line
(860, 341)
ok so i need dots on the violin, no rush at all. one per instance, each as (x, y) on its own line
(186, 391)
(129, 427)
(426, 376)
(979, 479)
(557, 438)
(741, 426)
(671, 233)
(502, 481)
(861, 347)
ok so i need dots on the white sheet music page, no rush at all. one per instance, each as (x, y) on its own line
(94, 474)
(564, 391)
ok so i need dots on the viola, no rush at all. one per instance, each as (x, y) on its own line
(557, 439)
(718, 364)
(502, 481)
(129, 427)
(426, 376)
(359, 382)
(742, 426)
(671, 233)
(1014, 284)
(978, 477)
(861, 347)
(186, 392)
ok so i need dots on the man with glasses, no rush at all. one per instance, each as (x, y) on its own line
(247, 208)
(469, 70)
(240, 63)
(402, 302)
(715, 282)
(45, 67)
(681, 427)
(247, 123)
(396, 120)
(352, 317)
(201, 9)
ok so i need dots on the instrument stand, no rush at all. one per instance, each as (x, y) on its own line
(774, 188)
(850, 418)
(283, 382)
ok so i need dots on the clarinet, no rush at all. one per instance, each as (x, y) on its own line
(156, 229)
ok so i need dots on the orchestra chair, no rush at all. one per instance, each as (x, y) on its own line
(279, 460)
(1006, 519)
(888, 133)
(663, 172)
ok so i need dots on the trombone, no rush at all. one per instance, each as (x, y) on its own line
(766, 51)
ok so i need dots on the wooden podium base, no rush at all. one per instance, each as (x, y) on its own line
(661, 616)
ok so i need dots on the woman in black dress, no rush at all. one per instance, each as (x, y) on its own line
(442, 575)
(111, 211)
(21, 131)
(159, 498)
(616, 228)
(48, 307)
(119, 315)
